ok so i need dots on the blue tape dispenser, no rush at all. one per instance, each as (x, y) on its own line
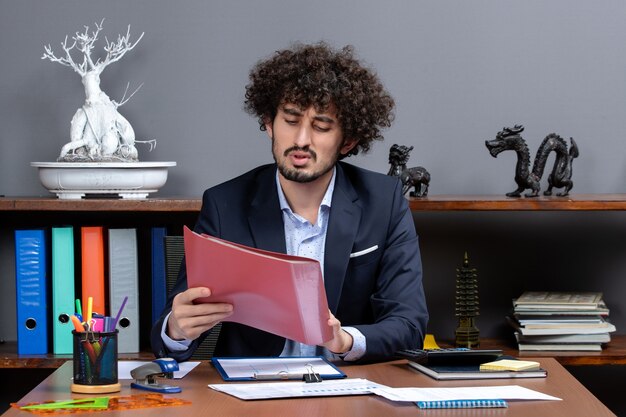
(146, 374)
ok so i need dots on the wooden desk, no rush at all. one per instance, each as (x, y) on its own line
(577, 401)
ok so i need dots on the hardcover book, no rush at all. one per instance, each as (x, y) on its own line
(598, 328)
(555, 347)
(565, 338)
(550, 300)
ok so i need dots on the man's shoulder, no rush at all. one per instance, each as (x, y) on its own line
(358, 175)
(245, 180)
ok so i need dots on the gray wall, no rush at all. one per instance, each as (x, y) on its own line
(459, 71)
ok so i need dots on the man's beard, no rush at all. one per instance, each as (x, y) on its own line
(299, 175)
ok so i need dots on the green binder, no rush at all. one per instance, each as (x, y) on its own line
(62, 289)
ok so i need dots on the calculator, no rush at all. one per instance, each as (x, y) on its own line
(450, 356)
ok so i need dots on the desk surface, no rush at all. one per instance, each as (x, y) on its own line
(577, 400)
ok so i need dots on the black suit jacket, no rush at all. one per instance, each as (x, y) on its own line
(380, 292)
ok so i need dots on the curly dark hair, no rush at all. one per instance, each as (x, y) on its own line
(315, 75)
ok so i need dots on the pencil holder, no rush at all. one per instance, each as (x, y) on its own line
(95, 362)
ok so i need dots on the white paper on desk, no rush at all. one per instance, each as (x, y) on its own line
(505, 392)
(124, 368)
(287, 389)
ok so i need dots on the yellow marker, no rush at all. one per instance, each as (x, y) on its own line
(87, 318)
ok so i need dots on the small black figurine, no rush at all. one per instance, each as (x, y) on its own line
(509, 139)
(416, 177)
(466, 305)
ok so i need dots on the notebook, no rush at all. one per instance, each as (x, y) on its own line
(452, 372)
(463, 404)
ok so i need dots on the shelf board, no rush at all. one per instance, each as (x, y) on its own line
(10, 359)
(574, 202)
(169, 204)
(613, 354)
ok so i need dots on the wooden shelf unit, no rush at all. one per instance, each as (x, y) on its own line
(613, 354)
(186, 208)
(173, 204)
(575, 202)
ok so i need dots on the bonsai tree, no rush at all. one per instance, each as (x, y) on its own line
(98, 131)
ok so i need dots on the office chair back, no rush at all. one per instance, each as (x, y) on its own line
(174, 253)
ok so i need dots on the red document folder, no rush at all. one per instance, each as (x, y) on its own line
(274, 292)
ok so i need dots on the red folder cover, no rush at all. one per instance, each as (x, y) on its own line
(274, 292)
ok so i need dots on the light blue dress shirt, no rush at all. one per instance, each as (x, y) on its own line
(306, 239)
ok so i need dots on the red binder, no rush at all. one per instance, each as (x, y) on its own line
(274, 292)
(92, 255)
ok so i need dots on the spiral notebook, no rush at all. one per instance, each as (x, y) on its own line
(463, 404)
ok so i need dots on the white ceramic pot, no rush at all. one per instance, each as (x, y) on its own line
(130, 180)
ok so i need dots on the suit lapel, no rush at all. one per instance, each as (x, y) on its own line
(265, 216)
(343, 225)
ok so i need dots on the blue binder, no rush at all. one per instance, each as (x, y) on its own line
(159, 291)
(31, 284)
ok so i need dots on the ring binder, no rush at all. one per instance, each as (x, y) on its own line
(309, 376)
(307, 369)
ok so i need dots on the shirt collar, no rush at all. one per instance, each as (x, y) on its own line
(326, 200)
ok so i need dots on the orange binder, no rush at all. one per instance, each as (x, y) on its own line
(274, 292)
(92, 255)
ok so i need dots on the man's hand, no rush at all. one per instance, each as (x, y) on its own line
(189, 320)
(341, 341)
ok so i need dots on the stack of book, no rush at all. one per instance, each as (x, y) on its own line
(557, 321)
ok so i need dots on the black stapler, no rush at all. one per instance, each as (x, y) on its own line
(145, 375)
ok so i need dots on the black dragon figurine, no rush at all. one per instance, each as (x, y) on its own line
(561, 175)
(417, 177)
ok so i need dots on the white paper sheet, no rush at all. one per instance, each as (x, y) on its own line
(358, 386)
(504, 392)
(265, 390)
(124, 368)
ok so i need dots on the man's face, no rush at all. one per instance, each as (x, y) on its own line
(306, 144)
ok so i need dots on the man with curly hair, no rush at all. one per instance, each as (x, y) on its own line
(318, 106)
